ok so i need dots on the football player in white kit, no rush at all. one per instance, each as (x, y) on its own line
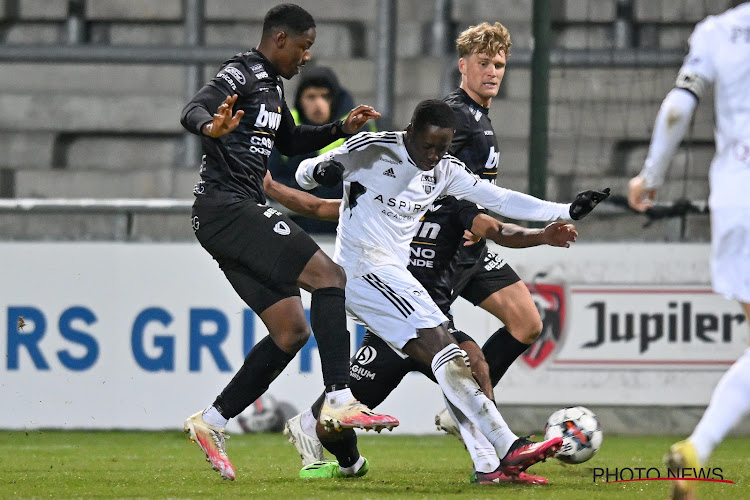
(390, 180)
(719, 55)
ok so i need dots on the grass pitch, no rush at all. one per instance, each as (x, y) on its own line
(64, 464)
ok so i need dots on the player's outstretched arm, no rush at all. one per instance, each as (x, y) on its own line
(672, 122)
(558, 234)
(301, 202)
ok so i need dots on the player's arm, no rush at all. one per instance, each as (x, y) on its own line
(292, 139)
(673, 118)
(672, 122)
(557, 234)
(301, 202)
(209, 113)
(519, 206)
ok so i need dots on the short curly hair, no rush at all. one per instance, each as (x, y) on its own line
(485, 38)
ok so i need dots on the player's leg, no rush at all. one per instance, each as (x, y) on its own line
(283, 315)
(462, 391)
(376, 370)
(498, 290)
(235, 236)
(326, 281)
(730, 400)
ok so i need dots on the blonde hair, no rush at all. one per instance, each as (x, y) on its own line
(484, 38)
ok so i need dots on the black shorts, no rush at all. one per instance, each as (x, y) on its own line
(476, 283)
(376, 369)
(261, 251)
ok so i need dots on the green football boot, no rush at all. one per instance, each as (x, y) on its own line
(330, 469)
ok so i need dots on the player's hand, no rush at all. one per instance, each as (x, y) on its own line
(328, 173)
(470, 238)
(559, 234)
(585, 203)
(640, 198)
(357, 118)
(223, 122)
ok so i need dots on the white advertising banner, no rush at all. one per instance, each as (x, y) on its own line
(138, 336)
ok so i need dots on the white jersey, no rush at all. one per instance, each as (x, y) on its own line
(720, 54)
(386, 194)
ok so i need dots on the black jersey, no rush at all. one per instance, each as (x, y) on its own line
(439, 236)
(475, 144)
(234, 164)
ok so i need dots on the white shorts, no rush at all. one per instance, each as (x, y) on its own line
(730, 252)
(392, 304)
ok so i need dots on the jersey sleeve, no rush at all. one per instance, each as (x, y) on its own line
(230, 80)
(354, 159)
(699, 60)
(465, 213)
(293, 139)
(464, 185)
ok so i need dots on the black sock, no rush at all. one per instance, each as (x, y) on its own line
(262, 365)
(500, 351)
(328, 321)
(343, 447)
(317, 406)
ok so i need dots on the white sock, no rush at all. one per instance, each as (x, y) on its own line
(307, 422)
(338, 398)
(482, 452)
(730, 401)
(212, 417)
(463, 392)
(354, 468)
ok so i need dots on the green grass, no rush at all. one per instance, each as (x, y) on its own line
(64, 464)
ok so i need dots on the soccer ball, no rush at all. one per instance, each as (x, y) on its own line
(580, 431)
(264, 415)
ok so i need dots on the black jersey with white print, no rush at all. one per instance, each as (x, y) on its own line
(234, 164)
(439, 236)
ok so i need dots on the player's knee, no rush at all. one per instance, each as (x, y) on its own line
(293, 338)
(332, 276)
(529, 332)
(299, 338)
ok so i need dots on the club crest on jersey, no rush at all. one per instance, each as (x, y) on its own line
(428, 183)
(550, 301)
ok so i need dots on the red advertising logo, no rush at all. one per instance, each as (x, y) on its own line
(550, 301)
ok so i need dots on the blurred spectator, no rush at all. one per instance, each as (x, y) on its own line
(319, 99)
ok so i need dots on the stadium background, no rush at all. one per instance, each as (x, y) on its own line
(96, 176)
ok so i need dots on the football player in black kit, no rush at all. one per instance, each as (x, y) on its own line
(265, 256)
(479, 275)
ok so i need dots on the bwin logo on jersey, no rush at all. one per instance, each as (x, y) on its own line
(365, 355)
(428, 183)
(270, 119)
(282, 228)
